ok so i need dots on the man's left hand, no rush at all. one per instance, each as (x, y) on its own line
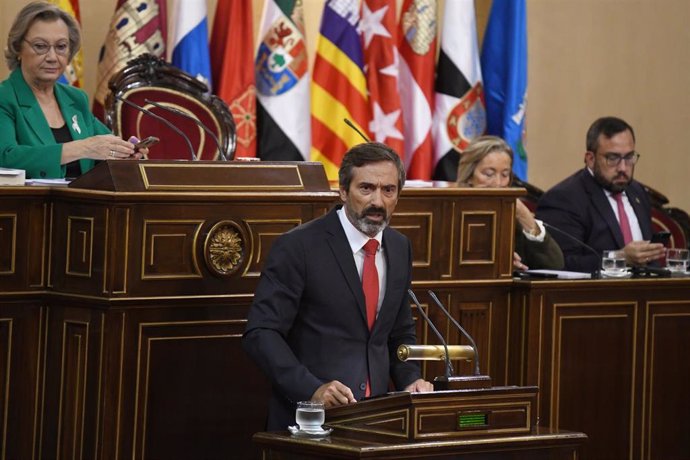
(420, 386)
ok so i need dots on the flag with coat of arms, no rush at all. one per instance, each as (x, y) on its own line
(282, 83)
(460, 115)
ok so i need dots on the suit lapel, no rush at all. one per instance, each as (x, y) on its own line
(31, 111)
(601, 203)
(393, 259)
(343, 255)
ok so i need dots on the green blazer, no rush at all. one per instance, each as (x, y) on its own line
(26, 141)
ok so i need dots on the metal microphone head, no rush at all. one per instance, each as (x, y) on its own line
(352, 125)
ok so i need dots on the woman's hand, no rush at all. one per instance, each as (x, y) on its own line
(525, 218)
(101, 147)
(517, 263)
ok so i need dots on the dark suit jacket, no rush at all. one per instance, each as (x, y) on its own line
(579, 206)
(536, 255)
(307, 324)
(26, 141)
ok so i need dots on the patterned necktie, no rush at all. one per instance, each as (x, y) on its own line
(623, 218)
(370, 281)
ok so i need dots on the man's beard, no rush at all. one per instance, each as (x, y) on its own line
(610, 185)
(362, 221)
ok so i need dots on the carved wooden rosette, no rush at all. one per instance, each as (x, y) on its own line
(224, 248)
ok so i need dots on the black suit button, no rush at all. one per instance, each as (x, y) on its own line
(43, 174)
(362, 386)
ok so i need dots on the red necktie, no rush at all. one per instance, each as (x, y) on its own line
(370, 281)
(623, 218)
(370, 286)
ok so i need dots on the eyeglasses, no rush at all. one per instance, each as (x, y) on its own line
(43, 48)
(614, 159)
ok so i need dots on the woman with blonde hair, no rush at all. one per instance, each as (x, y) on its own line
(46, 127)
(488, 162)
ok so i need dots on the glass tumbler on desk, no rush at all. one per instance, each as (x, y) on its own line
(310, 415)
(677, 260)
(613, 263)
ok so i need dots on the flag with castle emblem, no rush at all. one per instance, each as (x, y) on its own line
(137, 27)
(417, 46)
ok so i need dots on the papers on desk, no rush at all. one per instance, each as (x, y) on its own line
(47, 182)
(560, 274)
(10, 176)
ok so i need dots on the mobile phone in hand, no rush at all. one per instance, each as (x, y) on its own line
(145, 143)
(661, 237)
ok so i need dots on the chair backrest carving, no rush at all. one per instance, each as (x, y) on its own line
(148, 80)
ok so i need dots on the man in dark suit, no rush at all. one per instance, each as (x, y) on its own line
(313, 329)
(602, 205)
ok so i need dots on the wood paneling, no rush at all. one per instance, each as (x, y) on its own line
(607, 357)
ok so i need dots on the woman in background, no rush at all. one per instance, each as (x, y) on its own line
(46, 127)
(488, 162)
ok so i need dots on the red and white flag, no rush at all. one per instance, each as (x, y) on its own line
(379, 38)
(417, 46)
(232, 68)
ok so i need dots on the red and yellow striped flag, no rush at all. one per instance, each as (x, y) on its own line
(75, 70)
(339, 87)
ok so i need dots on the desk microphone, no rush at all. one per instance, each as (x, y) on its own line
(596, 272)
(167, 123)
(460, 328)
(189, 117)
(352, 125)
(449, 366)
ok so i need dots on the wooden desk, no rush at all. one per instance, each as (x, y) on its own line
(610, 359)
(123, 300)
(542, 445)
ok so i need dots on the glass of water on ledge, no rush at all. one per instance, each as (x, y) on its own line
(613, 263)
(310, 415)
(677, 260)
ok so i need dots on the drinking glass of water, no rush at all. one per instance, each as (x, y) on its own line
(677, 260)
(613, 263)
(310, 415)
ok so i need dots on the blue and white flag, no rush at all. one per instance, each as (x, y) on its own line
(189, 39)
(504, 67)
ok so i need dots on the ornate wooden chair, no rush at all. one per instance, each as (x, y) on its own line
(150, 97)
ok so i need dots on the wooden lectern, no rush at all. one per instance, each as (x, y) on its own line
(495, 423)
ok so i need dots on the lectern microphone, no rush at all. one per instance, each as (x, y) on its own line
(460, 328)
(192, 119)
(596, 273)
(449, 366)
(167, 123)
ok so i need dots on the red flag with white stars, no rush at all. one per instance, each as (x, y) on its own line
(379, 41)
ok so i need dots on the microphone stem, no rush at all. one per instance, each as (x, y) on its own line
(197, 122)
(449, 366)
(162, 120)
(460, 328)
(596, 272)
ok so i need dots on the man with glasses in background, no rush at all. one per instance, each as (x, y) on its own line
(602, 205)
